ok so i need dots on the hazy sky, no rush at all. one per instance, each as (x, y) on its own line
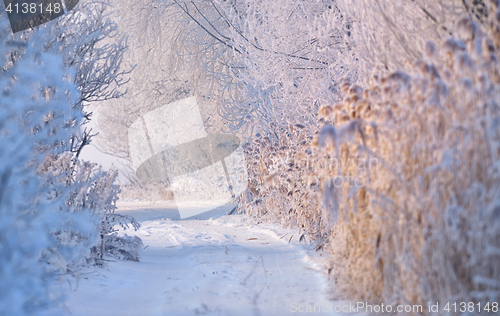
(93, 154)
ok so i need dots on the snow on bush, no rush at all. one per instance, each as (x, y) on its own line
(401, 180)
(35, 116)
(89, 189)
(120, 247)
(425, 226)
(282, 187)
(52, 206)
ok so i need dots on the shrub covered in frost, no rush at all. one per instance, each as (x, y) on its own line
(35, 117)
(52, 206)
(424, 228)
(89, 189)
(408, 170)
(282, 186)
(120, 247)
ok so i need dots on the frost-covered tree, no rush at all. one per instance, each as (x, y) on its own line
(164, 72)
(157, 78)
(89, 40)
(256, 65)
(264, 64)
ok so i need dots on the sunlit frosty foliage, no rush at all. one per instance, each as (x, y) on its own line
(423, 227)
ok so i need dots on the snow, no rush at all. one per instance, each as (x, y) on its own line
(224, 265)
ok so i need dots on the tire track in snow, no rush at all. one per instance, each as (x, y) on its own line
(222, 266)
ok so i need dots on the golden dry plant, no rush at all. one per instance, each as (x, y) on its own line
(425, 225)
(280, 188)
(400, 181)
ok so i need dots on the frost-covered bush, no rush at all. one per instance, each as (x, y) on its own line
(35, 116)
(52, 206)
(401, 176)
(281, 186)
(120, 247)
(89, 189)
(425, 227)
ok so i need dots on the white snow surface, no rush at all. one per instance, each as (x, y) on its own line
(223, 265)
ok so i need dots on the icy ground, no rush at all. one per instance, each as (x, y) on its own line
(219, 266)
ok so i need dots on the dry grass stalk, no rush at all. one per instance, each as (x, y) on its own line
(424, 226)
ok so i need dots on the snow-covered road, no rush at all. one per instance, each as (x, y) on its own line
(218, 266)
